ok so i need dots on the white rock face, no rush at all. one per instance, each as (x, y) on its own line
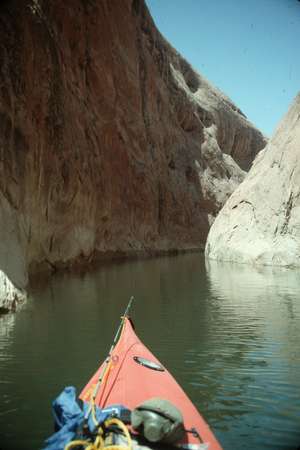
(260, 223)
(13, 272)
(219, 175)
(10, 296)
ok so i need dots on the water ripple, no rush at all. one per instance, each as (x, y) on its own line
(231, 337)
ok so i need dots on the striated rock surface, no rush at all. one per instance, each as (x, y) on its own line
(260, 223)
(110, 143)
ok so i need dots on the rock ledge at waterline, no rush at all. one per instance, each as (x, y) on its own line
(260, 223)
(110, 143)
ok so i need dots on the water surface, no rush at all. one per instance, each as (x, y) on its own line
(229, 334)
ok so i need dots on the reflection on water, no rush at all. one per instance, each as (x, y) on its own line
(229, 334)
(262, 312)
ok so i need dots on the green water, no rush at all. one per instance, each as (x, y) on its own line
(230, 335)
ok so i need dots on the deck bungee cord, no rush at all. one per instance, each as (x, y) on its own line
(105, 372)
(99, 441)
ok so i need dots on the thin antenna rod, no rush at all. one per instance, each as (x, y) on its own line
(107, 360)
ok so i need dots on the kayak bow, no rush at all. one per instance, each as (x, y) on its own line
(132, 374)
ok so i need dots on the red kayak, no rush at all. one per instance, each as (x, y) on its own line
(132, 375)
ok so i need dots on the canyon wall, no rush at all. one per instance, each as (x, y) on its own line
(110, 143)
(260, 223)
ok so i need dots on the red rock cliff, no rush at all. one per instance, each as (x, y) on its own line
(109, 141)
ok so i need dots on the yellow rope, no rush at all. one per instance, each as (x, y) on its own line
(92, 408)
(99, 441)
(74, 444)
(122, 427)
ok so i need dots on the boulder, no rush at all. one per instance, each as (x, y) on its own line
(13, 270)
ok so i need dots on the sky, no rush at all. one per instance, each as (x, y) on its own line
(248, 49)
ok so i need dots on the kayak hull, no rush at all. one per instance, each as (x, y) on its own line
(133, 375)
